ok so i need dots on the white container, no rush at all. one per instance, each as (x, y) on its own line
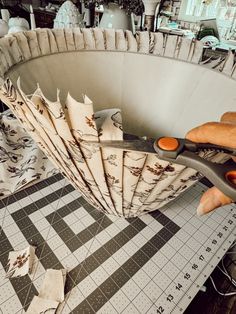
(115, 17)
(150, 6)
(5, 15)
(68, 16)
(3, 28)
(17, 24)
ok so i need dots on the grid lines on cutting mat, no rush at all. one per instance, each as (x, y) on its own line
(28, 218)
(115, 265)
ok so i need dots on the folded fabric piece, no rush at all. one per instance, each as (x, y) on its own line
(20, 262)
(21, 161)
(42, 306)
(109, 122)
(85, 130)
(53, 285)
(51, 293)
(112, 180)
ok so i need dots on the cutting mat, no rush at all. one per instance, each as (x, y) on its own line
(152, 264)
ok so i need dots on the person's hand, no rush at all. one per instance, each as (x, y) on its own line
(219, 133)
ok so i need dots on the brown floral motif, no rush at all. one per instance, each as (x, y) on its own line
(111, 160)
(82, 137)
(195, 177)
(39, 110)
(131, 156)
(75, 152)
(91, 122)
(100, 129)
(111, 180)
(37, 107)
(100, 132)
(57, 113)
(9, 91)
(158, 170)
(18, 263)
(86, 147)
(174, 193)
(177, 191)
(135, 171)
(142, 195)
(117, 120)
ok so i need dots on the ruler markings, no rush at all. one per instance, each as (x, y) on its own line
(179, 293)
(199, 281)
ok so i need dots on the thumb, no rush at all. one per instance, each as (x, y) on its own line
(212, 199)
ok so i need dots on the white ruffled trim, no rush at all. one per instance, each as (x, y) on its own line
(20, 47)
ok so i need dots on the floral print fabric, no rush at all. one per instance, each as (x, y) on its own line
(112, 180)
(51, 293)
(21, 161)
(20, 262)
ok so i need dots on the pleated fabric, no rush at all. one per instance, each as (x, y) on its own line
(112, 180)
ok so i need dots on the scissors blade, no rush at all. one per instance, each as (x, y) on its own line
(128, 145)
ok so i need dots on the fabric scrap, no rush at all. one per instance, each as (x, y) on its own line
(53, 285)
(20, 262)
(41, 306)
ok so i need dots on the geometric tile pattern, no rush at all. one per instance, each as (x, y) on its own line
(115, 265)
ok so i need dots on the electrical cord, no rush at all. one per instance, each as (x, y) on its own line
(228, 294)
(231, 246)
(228, 276)
(226, 273)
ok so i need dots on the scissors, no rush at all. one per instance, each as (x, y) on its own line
(183, 152)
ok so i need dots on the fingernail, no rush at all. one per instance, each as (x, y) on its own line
(202, 208)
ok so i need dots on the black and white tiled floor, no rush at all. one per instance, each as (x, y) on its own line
(115, 265)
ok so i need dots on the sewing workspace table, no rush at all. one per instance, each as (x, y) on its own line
(152, 264)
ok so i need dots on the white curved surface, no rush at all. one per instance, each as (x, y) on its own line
(156, 95)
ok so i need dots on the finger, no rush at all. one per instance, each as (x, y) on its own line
(229, 117)
(212, 199)
(218, 133)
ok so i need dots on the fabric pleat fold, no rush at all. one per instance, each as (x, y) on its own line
(109, 124)
(84, 130)
(111, 179)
